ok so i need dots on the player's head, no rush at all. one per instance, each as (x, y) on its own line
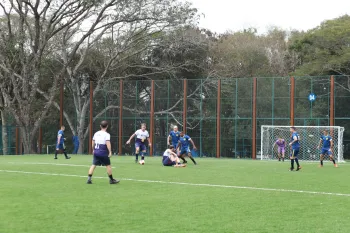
(325, 132)
(104, 125)
(280, 138)
(171, 148)
(293, 129)
(182, 134)
(175, 128)
(143, 126)
(63, 128)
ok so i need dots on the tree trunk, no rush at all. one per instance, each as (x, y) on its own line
(4, 132)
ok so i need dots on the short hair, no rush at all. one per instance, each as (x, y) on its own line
(292, 127)
(104, 124)
(175, 126)
(143, 124)
(171, 147)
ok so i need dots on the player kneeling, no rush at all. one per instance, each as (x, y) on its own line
(170, 158)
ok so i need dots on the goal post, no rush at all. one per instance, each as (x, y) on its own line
(309, 140)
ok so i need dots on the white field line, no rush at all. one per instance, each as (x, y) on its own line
(188, 184)
(55, 164)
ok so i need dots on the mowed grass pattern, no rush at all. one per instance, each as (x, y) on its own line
(45, 203)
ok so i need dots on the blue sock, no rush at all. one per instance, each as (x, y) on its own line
(292, 163)
(297, 162)
(142, 155)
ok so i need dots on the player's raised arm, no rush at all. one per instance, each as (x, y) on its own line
(132, 136)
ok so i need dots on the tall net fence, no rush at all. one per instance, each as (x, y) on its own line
(193, 104)
(309, 141)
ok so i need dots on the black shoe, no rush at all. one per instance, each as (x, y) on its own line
(291, 169)
(89, 182)
(298, 168)
(114, 181)
(68, 157)
(55, 158)
(136, 160)
(185, 161)
(279, 160)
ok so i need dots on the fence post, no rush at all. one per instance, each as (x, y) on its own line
(218, 119)
(40, 140)
(184, 112)
(331, 104)
(120, 139)
(292, 93)
(61, 102)
(91, 116)
(254, 119)
(152, 118)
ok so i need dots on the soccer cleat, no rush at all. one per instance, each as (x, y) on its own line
(68, 157)
(55, 158)
(335, 165)
(291, 169)
(298, 168)
(114, 181)
(89, 182)
(136, 160)
(185, 161)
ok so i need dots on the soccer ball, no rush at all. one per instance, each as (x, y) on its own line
(142, 162)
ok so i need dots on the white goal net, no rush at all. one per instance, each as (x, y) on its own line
(309, 140)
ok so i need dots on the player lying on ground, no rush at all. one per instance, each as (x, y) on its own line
(184, 144)
(140, 142)
(295, 144)
(174, 137)
(281, 148)
(101, 147)
(170, 158)
(327, 144)
(60, 143)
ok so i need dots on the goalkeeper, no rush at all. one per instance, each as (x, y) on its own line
(327, 144)
(281, 143)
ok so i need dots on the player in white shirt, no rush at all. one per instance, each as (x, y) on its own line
(170, 158)
(102, 151)
(140, 142)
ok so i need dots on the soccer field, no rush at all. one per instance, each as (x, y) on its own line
(41, 195)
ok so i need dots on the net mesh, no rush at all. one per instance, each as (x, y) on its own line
(309, 140)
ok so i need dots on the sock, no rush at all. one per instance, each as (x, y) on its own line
(283, 159)
(297, 162)
(56, 153)
(183, 159)
(110, 177)
(333, 161)
(137, 156)
(89, 177)
(193, 160)
(292, 163)
(322, 162)
(142, 155)
(65, 154)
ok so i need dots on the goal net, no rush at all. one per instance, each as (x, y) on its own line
(309, 140)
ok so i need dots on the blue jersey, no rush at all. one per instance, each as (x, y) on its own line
(185, 141)
(295, 145)
(175, 137)
(60, 133)
(326, 140)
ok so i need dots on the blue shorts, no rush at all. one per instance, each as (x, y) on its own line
(175, 144)
(167, 161)
(61, 146)
(294, 153)
(326, 151)
(185, 151)
(141, 145)
(101, 161)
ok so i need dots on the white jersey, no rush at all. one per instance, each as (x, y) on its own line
(141, 136)
(167, 153)
(100, 139)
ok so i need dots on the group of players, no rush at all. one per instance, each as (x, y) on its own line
(326, 142)
(179, 147)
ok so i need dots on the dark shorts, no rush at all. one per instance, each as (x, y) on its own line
(294, 153)
(167, 161)
(141, 145)
(101, 161)
(326, 151)
(61, 146)
(185, 151)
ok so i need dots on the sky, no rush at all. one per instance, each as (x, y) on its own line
(223, 15)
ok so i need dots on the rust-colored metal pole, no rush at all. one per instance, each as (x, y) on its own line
(254, 119)
(61, 102)
(17, 141)
(184, 113)
(218, 120)
(20, 142)
(331, 104)
(120, 138)
(91, 115)
(40, 140)
(151, 127)
(292, 99)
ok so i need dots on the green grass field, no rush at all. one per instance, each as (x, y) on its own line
(41, 195)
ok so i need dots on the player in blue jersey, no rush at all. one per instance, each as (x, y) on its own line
(102, 151)
(327, 144)
(60, 143)
(184, 143)
(174, 137)
(295, 144)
